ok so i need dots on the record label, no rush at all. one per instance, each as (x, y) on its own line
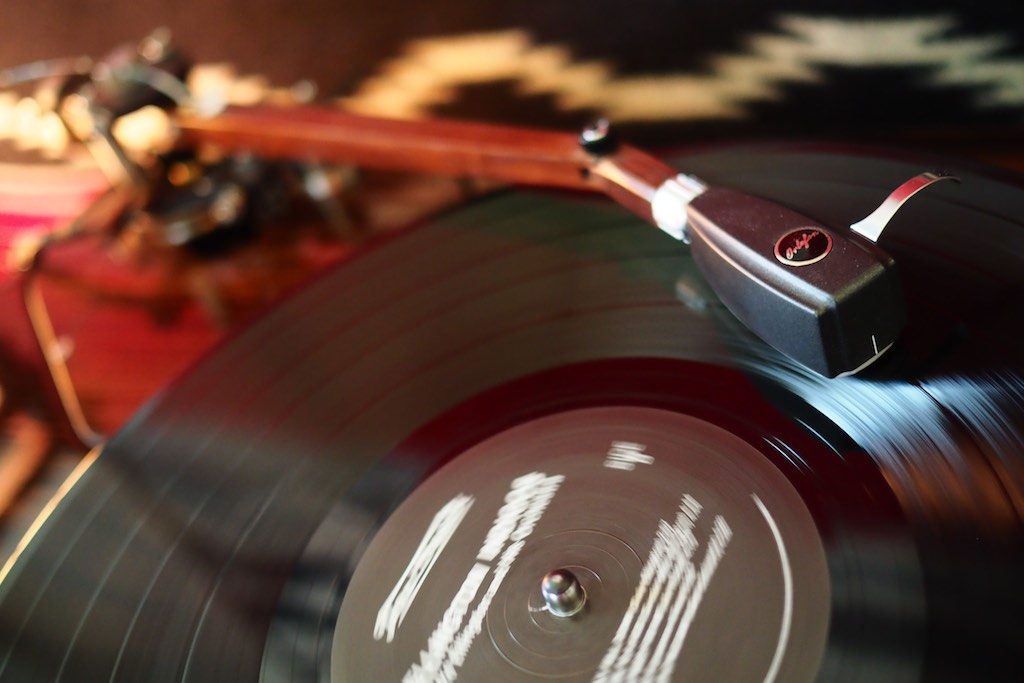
(671, 529)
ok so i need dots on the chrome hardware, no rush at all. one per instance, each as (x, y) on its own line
(668, 206)
(872, 225)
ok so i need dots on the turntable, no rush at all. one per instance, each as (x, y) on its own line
(535, 438)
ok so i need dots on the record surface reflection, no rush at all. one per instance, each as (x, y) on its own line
(216, 536)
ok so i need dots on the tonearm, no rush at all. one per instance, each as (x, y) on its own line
(826, 296)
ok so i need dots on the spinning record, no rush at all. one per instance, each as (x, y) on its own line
(525, 442)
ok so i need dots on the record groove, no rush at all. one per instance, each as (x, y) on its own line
(215, 536)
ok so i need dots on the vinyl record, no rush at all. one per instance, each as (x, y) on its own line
(380, 479)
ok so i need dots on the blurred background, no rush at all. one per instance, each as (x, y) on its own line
(670, 71)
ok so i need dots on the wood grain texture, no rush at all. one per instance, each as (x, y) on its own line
(519, 156)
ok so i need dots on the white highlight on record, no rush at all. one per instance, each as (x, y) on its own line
(438, 534)
(648, 641)
(449, 643)
(720, 535)
(624, 455)
(679, 576)
(787, 588)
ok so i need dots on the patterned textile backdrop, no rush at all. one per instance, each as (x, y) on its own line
(671, 71)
